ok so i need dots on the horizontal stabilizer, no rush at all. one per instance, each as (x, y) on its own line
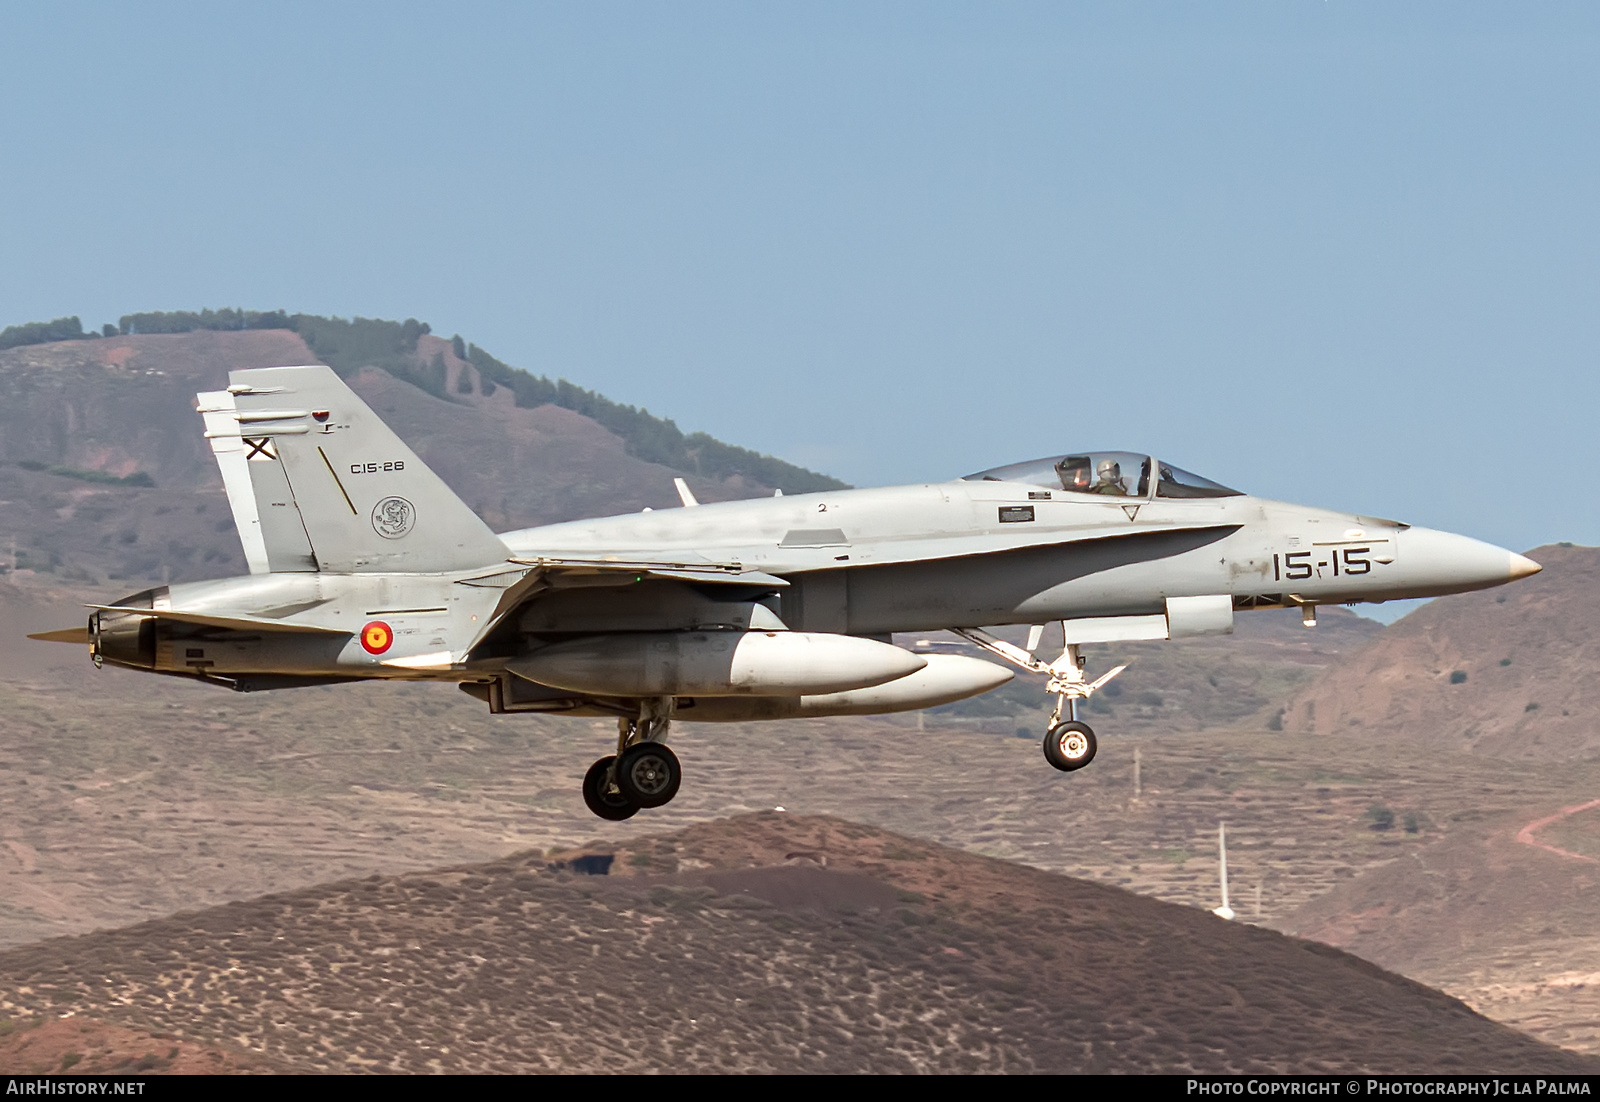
(63, 635)
(233, 622)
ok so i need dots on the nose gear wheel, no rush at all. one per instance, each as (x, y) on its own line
(1069, 746)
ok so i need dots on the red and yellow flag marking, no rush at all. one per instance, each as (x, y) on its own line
(377, 637)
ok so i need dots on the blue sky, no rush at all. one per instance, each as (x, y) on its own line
(1340, 253)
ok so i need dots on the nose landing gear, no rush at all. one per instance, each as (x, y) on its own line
(1068, 744)
(642, 773)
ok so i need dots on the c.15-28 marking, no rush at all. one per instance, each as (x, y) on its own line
(375, 468)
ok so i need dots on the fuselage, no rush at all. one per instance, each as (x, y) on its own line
(973, 553)
(365, 565)
(871, 562)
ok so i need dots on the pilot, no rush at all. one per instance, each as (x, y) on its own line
(1109, 479)
(1074, 472)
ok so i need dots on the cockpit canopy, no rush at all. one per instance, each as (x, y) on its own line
(1109, 474)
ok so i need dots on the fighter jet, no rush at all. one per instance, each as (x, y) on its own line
(364, 565)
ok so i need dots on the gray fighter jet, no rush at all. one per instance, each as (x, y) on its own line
(363, 564)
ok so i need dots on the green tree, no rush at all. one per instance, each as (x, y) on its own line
(41, 332)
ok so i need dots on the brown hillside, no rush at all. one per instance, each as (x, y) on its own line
(1507, 672)
(767, 942)
(129, 797)
(90, 1046)
(1505, 917)
(125, 405)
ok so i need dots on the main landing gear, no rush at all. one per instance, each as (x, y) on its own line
(642, 773)
(1069, 745)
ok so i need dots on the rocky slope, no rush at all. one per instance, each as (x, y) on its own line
(772, 943)
(1502, 916)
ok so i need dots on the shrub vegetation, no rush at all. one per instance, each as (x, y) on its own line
(41, 332)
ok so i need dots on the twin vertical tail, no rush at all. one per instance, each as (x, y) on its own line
(318, 482)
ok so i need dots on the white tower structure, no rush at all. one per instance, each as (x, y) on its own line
(1223, 911)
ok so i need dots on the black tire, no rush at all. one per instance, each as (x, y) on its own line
(649, 774)
(597, 793)
(1069, 746)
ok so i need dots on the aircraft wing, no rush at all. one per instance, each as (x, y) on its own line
(534, 575)
(702, 571)
(230, 621)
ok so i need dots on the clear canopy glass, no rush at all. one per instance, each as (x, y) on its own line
(1106, 474)
(1177, 482)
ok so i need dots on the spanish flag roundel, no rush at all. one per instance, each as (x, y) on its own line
(377, 637)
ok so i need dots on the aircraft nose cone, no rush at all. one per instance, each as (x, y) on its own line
(1443, 562)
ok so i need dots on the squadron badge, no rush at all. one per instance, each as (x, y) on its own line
(393, 517)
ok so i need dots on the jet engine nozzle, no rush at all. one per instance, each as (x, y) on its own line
(716, 663)
(123, 639)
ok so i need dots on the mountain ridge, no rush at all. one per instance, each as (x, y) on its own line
(453, 370)
(118, 411)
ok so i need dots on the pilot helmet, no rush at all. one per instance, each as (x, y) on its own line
(1109, 470)
(1074, 471)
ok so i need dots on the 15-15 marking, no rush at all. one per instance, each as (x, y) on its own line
(1296, 565)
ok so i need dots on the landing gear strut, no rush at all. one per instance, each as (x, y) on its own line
(643, 772)
(1068, 744)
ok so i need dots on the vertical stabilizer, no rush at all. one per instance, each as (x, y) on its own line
(264, 511)
(318, 482)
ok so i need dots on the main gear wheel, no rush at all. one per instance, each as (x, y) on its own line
(604, 795)
(648, 774)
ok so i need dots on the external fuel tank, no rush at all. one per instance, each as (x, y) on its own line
(716, 663)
